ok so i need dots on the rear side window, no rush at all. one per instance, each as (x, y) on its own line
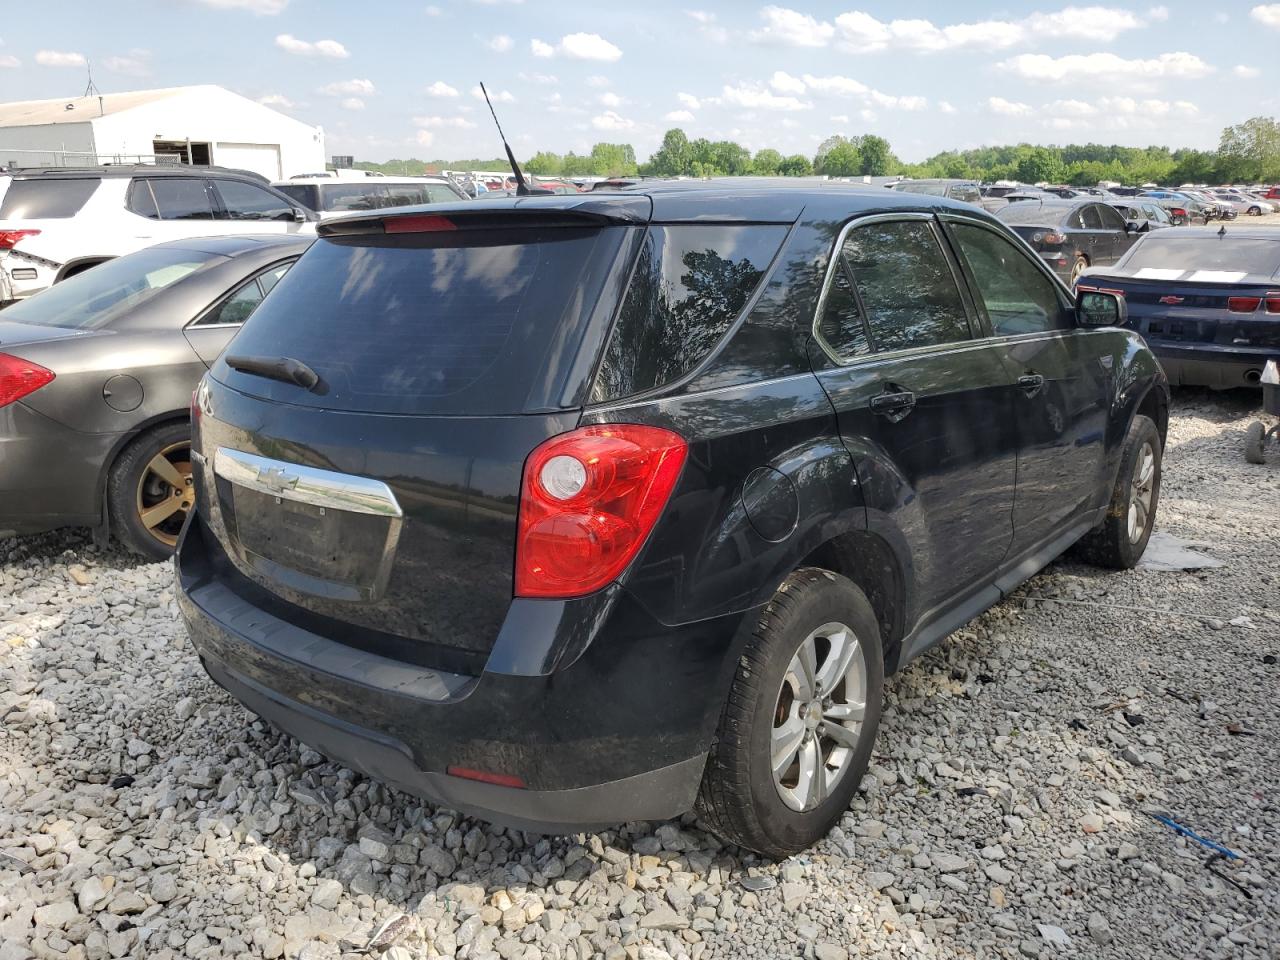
(1090, 218)
(906, 286)
(306, 194)
(174, 198)
(51, 199)
(689, 285)
(478, 321)
(244, 201)
(966, 192)
(841, 325)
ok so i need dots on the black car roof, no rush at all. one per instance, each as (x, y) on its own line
(728, 200)
(236, 245)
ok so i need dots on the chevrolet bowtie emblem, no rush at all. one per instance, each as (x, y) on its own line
(276, 479)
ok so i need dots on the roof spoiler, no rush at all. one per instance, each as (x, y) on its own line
(523, 212)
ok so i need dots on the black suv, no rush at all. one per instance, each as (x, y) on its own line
(568, 511)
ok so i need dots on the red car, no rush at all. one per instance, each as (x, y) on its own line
(1272, 194)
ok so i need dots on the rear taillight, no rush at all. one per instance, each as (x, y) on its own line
(1243, 304)
(1273, 303)
(420, 224)
(1054, 239)
(588, 500)
(9, 238)
(20, 377)
(1178, 212)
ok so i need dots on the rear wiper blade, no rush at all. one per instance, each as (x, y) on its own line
(285, 369)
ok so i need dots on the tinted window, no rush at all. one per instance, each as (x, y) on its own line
(349, 196)
(142, 201)
(472, 321)
(402, 194)
(1032, 211)
(906, 286)
(933, 189)
(50, 199)
(108, 291)
(1016, 294)
(690, 284)
(272, 277)
(180, 198)
(841, 325)
(966, 192)
(440, 193)
(1158, 251)
(237, 307)
(1111, 220)
(244, 201)
(306, 194)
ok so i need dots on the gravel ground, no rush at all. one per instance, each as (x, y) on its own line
(145, 814)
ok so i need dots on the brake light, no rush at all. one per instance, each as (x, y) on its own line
(421, 224)
(20, 377)
(1178, 212)
(1243, 304)
(9, 238)
(1052, 238)
(588, 500)
(1273, 303)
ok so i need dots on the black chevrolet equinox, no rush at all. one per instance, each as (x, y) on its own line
(569, 511)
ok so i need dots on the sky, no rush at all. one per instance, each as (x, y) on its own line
(398, 78)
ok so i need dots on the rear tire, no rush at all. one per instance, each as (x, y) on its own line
(1254, 442)
(149, 490)
(1120, 540)
(1077, 268)
(760, 791)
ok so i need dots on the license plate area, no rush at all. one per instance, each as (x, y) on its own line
(311, 531)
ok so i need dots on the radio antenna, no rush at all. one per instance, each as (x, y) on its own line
(522, 187)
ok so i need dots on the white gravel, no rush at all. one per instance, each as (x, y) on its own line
(145, 814)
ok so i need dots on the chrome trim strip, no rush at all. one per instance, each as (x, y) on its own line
(293, 481)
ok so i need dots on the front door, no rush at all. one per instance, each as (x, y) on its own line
(1060, 406)
(925, 409)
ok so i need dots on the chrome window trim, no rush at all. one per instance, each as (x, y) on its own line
(896, 217)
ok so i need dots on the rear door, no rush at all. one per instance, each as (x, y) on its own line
(1095, 242)
(1061, 402)
(1119, 239)
(925, 407)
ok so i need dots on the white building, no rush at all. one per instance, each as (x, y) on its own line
(200, 125)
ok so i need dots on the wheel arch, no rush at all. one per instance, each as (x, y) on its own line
(102, 530)
(78, 265)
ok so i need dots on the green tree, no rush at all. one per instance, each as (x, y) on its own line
(842, 160)
(767, 163)
(673, 158)
(613, 160)
(796, 165)
(1038, 165)
(877, 159)
(731, 159)
(545, 164)
(575, 165)
(1250, 150)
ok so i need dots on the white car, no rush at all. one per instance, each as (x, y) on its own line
(1243, 203)
(58, 222)
(331, 196)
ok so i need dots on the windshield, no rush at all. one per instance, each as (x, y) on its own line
(1239, 256)
(1030, 212)
(474, 321)
(108, 291)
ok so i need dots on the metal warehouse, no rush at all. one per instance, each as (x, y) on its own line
(200, 125)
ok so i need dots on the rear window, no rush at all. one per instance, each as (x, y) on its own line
(52, 199)
(1237, 255)
(690, 284)
(108, 291)
(473, 321)
(1031, 212)
(933, 189)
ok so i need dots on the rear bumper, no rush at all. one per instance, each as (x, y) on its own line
(619, 734)
(48, 472)
(1207, 366)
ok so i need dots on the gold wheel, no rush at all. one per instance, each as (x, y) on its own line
(165, 493)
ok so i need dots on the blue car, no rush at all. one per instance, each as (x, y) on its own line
(1207, 301)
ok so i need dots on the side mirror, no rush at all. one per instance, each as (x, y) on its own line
(1132, 226)
(1100, 308)
(299, 215)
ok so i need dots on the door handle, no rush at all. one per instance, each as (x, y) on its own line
(1031, 383)
(895, 406)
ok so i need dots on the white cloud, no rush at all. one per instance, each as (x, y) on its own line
(888, 102)
(441, 89)
(59, 58)
(305, 48)
(1010, 108)
(1104, 67)
(497, 96)
(262, 8)
(1072, 108)
(458, 123)
(541, 49)
(610, 99)
(689, 100)
(702, 16)
(679, 116)
(500, 43)
(836, 86)
(611, 121)
(597, 81)
(785, 83)
(351, 103)
(425, 137)
(342, 88)
(708, 26)
(758, 97)
(793, 28)
(1245, 72)
(588, 46)
(543, 79)
(1086, 23)
(8, 62)
(945, 107)
(862, 33)
(1147, 108)
(1267, 15)
(136, 64)
(1158, 14)
(277, 100)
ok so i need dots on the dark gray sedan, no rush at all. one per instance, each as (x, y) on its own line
(96, 375)
(1071, 235)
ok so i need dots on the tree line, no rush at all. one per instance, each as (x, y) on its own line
(1247, 152)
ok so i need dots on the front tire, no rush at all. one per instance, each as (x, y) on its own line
(149, 490)
(1255, 437)
(801, 719)
(1120, 540)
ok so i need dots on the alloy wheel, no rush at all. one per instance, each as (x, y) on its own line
(166, 493)
(1141, 492)
(817, 719)
(1076, 269)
